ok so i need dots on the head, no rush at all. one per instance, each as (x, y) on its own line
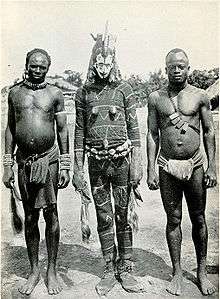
(177, 66)
(102, 63)
(37, 65)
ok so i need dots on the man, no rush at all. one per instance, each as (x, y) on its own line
(174, 118)
(33, 109)
(107, 130)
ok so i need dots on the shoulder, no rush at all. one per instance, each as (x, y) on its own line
(125, 88)
(56, 91)
(154, 96)
(199, 94)
(14, 90)
(81, 92)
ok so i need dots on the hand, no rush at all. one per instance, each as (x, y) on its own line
(153, 180)
(64, 179)
(210, 179)
(78, 180)
(8, 177)
(136, 170)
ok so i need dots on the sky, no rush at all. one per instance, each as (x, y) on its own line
(145, 32)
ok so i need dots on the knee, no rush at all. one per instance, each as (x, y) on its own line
(198, 220)
(174, 220)
(31, 222)
(105, 220)
(51, 216)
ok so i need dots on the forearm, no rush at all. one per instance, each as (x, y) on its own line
(210, 147)
(152, 150)
(9, 142)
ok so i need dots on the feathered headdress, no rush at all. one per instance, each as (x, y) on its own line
(105, 45)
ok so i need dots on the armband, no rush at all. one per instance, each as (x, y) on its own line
(8, 160)
(60, 112)
(65, 162)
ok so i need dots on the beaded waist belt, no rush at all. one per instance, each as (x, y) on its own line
(113, 153)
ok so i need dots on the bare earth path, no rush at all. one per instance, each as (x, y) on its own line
(80, 265)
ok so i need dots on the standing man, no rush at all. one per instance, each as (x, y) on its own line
(33, 109)
(174, 117)
(107, 130)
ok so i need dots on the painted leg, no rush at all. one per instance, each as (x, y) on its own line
(101, 195)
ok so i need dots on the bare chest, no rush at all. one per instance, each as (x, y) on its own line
(183, 103)
(27, 101)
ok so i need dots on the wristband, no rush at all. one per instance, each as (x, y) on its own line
(8, 160)
(65, 162)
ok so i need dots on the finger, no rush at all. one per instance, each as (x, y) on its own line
(60, 182)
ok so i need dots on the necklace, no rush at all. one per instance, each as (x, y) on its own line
(35, 86)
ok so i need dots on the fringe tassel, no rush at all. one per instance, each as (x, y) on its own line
(17, 222)
(133, 218)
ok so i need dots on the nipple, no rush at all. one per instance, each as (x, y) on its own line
(95, 111)
(112, 111)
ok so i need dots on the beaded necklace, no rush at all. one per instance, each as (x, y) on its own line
(35, 86)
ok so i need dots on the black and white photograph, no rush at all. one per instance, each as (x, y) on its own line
(110, 149)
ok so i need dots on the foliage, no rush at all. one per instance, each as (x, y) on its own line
(142, 88)
(203, 79)
(73, 77)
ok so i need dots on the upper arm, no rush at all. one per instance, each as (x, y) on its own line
(11, 112)
(80, 108)
(152, 115)
(206, 114)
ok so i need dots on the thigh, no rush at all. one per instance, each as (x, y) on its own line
(171, 190)
(54, 172)
(195, 192)
(119, 182)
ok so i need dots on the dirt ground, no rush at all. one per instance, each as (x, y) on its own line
(80, 265)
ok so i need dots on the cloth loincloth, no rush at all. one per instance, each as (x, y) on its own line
(181, 169)
(36, 180)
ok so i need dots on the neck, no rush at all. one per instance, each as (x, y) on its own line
(177, 87)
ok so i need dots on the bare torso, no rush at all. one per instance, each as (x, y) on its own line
(34, 112)
(174, 143)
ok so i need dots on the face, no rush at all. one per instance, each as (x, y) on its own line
(37, 67)
(103, 65)
(177, 68)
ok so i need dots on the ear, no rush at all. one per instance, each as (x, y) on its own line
(188, 68)
(166, 70)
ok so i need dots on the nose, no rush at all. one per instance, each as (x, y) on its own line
(176, 69)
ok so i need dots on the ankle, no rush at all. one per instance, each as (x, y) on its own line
(35, 270)
(178, 272)
(51, 270)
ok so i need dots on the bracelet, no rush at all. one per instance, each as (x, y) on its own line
(8, 160)
(65, 162)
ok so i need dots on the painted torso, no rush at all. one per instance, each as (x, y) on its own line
(105, 115)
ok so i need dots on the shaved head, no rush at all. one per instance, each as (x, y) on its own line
(176, 51)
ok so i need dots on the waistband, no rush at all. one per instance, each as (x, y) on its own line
(113, 153)
(52, 153)
(197, 159)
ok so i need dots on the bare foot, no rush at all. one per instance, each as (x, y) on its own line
(175, 286)
(30, 284)
(53, 285)
(207, 288)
